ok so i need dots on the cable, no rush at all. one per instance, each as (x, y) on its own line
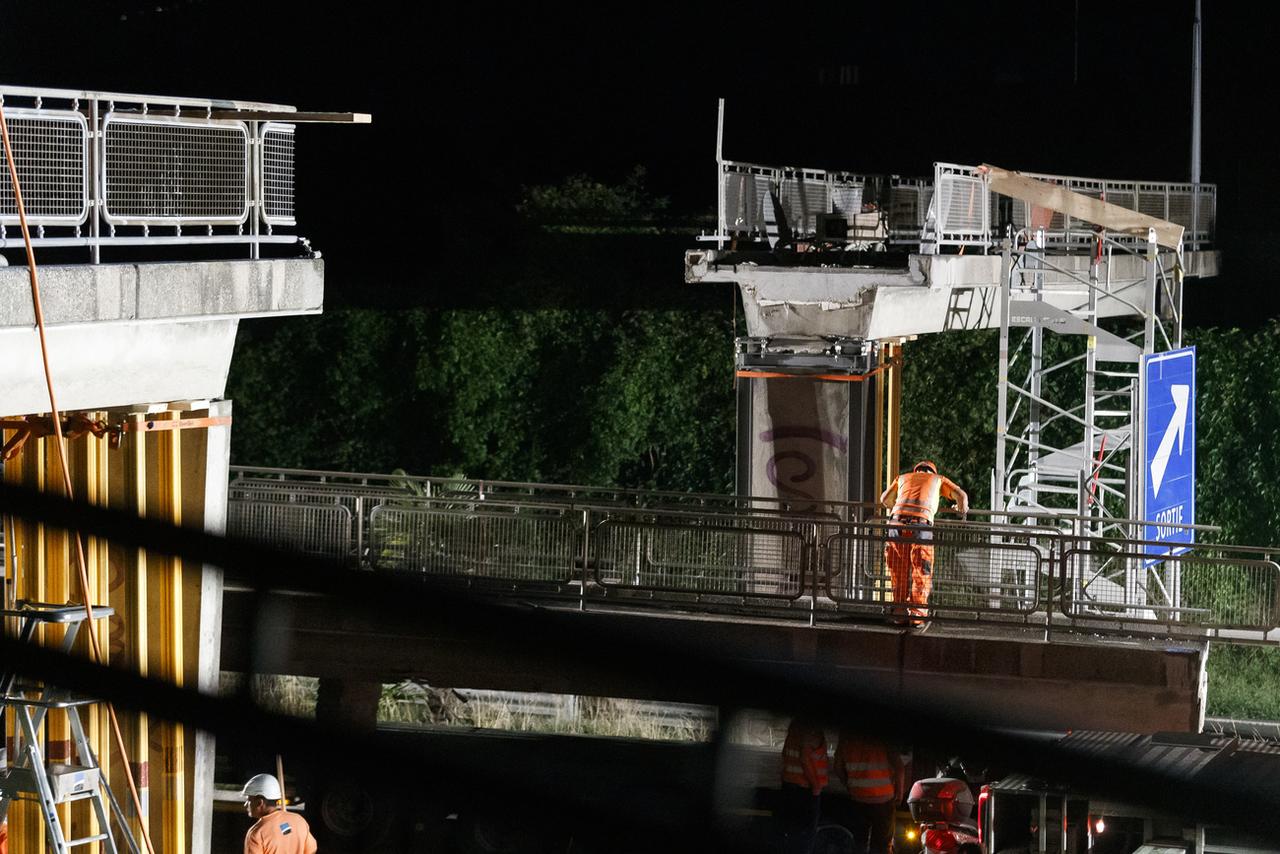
(81, 565)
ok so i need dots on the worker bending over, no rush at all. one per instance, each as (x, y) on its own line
(908, 552)
(275, 831)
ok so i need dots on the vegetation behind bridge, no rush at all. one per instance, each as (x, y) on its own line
(551, 370)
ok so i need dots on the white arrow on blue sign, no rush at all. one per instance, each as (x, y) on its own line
(1169, 498)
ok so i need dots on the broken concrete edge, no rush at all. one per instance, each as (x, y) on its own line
(98, 293)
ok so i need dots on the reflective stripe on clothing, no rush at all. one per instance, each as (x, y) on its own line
(918, 494)
(280, 832)
(867, 771)
(804, 758)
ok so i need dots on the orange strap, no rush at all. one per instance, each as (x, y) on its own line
(78, 424)
(39, 426)
(838, 378)
(153, 426)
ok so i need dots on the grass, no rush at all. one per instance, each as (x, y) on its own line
(1244, 682)
(288, 695)
(415, 703)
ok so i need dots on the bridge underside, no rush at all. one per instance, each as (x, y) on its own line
(1016, 681)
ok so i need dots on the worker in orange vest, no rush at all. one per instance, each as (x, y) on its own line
(872, 773)
(913, 498)
(275, 831)
(804, 776)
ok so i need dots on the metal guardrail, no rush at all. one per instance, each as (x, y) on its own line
(1212, 588)
(320, 530)
(972, 571)
(733, 555)
(953, 208)
(104, 169)
(700, 556)
(527, 544)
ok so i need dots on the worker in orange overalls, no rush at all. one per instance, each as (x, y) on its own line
(804, 776)
(914, 498)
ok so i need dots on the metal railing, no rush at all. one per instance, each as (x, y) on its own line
(113, 170)
(972, 571)
(953, 208)
(609, 545)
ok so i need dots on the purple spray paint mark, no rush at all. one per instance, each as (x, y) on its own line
(771, 470)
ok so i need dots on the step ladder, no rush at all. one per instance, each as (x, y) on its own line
(27, 775)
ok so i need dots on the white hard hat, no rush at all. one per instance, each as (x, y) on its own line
(264, 785)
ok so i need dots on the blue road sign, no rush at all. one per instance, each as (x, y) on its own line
(1170, 452)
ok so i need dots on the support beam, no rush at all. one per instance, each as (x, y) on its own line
(1077, 206)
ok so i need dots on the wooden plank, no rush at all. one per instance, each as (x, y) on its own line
(1058, 198)
(292, 118)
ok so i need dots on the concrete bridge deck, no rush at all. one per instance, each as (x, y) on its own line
(1018, 679)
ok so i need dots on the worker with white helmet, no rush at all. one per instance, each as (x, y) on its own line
(275, 831)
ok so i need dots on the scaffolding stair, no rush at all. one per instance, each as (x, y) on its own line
(29, 776)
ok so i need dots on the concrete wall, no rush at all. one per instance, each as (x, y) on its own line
(128, 334)
(1009, 681)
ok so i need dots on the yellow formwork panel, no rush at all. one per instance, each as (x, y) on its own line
(91, 482)
(26, 827)
(157, 608)
(128, 596)
(165, 651)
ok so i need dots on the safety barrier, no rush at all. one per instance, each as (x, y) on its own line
(1203, 588)
(528, 544)
(971, 571)
(629, 545)
(319, 530)
(954, 208)
(700, 557)
(101, 170)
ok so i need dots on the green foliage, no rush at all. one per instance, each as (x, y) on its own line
(949, 407)
(1238, 432)
(581, 205)
(1243, 682)
(634, 398)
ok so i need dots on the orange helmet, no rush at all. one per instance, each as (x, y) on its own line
(926, 465)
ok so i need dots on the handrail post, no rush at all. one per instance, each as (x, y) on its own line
(586, 552)
(360, 552)
(813, 573)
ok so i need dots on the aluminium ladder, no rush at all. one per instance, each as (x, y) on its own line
(28, 775)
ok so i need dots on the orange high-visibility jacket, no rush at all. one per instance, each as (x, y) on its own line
(280, 832)
(868, 774)
(919, 492)
(804, 758)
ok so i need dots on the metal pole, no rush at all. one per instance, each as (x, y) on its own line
(1002, 379)
(1090, 404)
(1195, 124)
(720, 223)
(1037, 368)
(95, 199)
(1195, 103)
(1149, 328)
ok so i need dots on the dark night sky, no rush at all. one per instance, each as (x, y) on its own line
(471, 100)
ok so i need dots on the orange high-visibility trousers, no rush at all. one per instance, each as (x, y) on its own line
(910, 563)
